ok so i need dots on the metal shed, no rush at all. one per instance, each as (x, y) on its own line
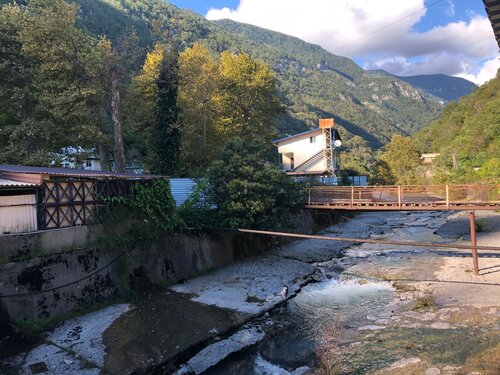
(18, 209)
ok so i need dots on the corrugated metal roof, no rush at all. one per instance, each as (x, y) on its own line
(181, 189)
(4, 182)
(70, 172)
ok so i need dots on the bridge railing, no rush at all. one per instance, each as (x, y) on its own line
(445, 196)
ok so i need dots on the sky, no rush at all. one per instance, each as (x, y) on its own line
(403, 37)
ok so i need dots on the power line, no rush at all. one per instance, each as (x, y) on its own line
(387, 26)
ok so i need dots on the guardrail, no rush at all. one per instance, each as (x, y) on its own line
(414, 197)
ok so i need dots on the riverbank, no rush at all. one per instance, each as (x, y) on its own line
(443, 319)
(197, 324)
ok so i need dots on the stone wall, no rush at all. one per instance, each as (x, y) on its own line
(50, 273)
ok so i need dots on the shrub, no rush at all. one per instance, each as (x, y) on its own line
(251, 192)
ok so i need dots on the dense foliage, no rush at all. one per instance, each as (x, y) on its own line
(168, 135)
(220, 98)
(150, 204)
(467, 136)
(401, 156)
(249, 191)
(52, 86)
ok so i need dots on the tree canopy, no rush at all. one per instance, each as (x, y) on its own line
(402, 157)
(52, 90)
(467, 137)
(249, 191)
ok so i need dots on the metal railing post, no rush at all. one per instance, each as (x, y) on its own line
(473, 241)
(447, 196)
(309, 200)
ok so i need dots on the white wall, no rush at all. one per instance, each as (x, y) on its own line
(302, 149)
(17, 213)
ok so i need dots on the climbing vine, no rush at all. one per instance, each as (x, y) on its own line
(150, 203)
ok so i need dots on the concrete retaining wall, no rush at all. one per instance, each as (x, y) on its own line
(50, 273)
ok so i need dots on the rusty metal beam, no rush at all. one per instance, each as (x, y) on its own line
(361, 240)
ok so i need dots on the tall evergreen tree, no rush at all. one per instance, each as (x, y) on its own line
(167, 128)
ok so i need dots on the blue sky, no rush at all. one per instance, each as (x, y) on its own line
(404, 37)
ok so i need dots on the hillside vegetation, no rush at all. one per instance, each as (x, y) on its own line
(55, 88)
(441, 86)
(467, 135)
(312, 82)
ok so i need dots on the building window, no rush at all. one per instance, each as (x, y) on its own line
(312, 139)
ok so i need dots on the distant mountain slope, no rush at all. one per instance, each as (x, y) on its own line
(315, 82)
(312, 82)
(467, 135)
(440, 85)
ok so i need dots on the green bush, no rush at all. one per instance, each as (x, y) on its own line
(251, 192)
(150, 202)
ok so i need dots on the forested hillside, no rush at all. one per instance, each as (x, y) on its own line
(42, 111)
(315, 82)
(441, 86)
(467, 135)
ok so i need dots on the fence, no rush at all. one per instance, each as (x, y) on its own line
(73, 202)
(406, 197)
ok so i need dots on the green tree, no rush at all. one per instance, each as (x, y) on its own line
(249, 191)
(402, 157)
(168, 134)
(140, 110)
(247, 104)
(60, 86)
(381, 174)
(467, 137)
(357, 155)
(198, 84)
(15, 98)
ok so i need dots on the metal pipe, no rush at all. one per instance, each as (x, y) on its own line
(360, 240)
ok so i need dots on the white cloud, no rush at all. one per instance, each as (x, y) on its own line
(378, 32)
(488, 71)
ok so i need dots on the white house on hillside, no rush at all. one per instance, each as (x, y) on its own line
(314, 152)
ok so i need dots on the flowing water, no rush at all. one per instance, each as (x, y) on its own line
(296, 326)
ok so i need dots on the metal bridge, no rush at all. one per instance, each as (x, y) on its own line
(410, 198)
(405, 198)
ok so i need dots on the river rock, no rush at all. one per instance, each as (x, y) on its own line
(370, 328)
(433, 371)
(213, 354)
(404, 362)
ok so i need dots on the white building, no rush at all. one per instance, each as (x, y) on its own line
(314, 152)
(77, 157)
